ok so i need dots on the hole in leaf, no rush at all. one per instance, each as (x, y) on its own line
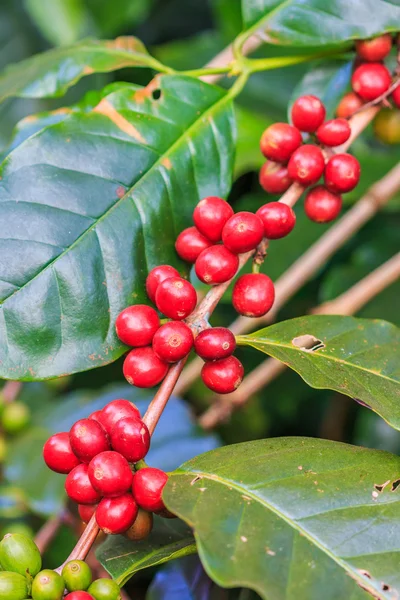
(385, 587)
(308, 343)
(380, 487)
(156, 94)
(395, 485)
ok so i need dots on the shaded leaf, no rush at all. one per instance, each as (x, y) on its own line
(61, 22)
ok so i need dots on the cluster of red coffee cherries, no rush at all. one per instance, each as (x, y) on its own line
(101, 457)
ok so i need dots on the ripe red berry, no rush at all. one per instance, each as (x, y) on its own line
(96, 416)
(58, 454)
(131, 438)
(79, 487)
(88, 438)
(215, 343)
(173, 341)
(348, 105)
(334, 132)
(147, 487)
(142, 368)
(223, 376)
(253, 295)
(308, 113)
(110, 474)
(210, 216)
(306, 164)
(79, 596)
(321, 205)
(274, 178)
(116, 515)
(116, 410)
(396, 96)
(370, 80)
(279, 141)
(176, 298)
(157, 276)
(189, 243)
(375, 49)
(242, 232)
(136, 325)
(342, 173)
(278, 219)
(86, 511)
(216, 265)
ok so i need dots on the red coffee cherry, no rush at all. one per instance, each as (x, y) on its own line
(58, 454)
(375, 49)
(308, 113)
(176, 298)
(279, 141)
(334, 132)
(396, 96)
(173, 341)
(342, 173)
(210, 216)
(215, 343)
(116, 515)
(131, 438)
(79, 596)
(216, 265)
(348, 105)
(370, 80)
(278, 219)
(157, 276)
(306, 164)
(223, 376)
(189, 243)
(88, 438)
(79, 487)
(242, 232)
(321, 205)
(274, 178)
(147, 487)
(96, 416)
(86, 511)
(143, 368)
(116, 410)
(136, 325)
(110, 474)
(253, 295)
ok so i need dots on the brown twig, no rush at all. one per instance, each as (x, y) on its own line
(84, 543)
(11, 391)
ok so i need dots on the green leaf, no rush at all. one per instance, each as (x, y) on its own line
(357, 357)
(89, 205)
(320, 23)
(170, 539)
(294, 518)
(250, 128)
(61, 22)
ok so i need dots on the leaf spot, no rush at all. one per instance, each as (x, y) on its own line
(375, 494)
(121, 191)
(202, 489)
(308, 343)
(395, 485)
(166, 162)
(270, 552)
(105, 108)
(380, 487)
(300, 468)
(244, 539)
(365, 573)
(197, 478)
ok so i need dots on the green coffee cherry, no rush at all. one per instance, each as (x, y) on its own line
(77, 576)
(13, 586)
(3, 449)
(48, 585)
(15, 417)
(387, 126)
(18, 527)
(20, 554)
(105, 589)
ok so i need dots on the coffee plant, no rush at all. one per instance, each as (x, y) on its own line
(187, 181)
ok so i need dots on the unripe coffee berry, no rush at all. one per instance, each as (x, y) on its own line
(306, 165)
(147, 487)
(278, 219)
(375, 49)
(308, 113)
(48, 585)
(279, 141)
(253, 295)
(142, 526)
(79, 487)
(58, 454)
(110, 474)
(77, 575)
(210, 216)
(136, 325)
(371, 80)
(173, 341)
(79, 595)
(116, 410)
(13, 586)
(157, 276)
(19, 553)
(215, 343)
(189, 243)
(387, 126)
(274, 178)
(223, 376)
(143, 368)
(321, 205)
(348, 105)
(334, 132)
(105, 589)
(88, 438)
(15, 417)
(131, 438)
(116, 515)
(86, 511)
(176, 298)
(342, 173)
(242, 232)
(216, 265)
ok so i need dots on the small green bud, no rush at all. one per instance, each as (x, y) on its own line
(15, 417)
(48, 585)
(105, 589)
(20, 554)
(77, 575)
(13, 586)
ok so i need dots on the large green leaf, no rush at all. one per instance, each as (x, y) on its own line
(294, 518)
(89, 205)
(357, 357)
(61, 22)
(318, 22)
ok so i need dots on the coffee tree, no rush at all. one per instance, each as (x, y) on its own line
(122, 236)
